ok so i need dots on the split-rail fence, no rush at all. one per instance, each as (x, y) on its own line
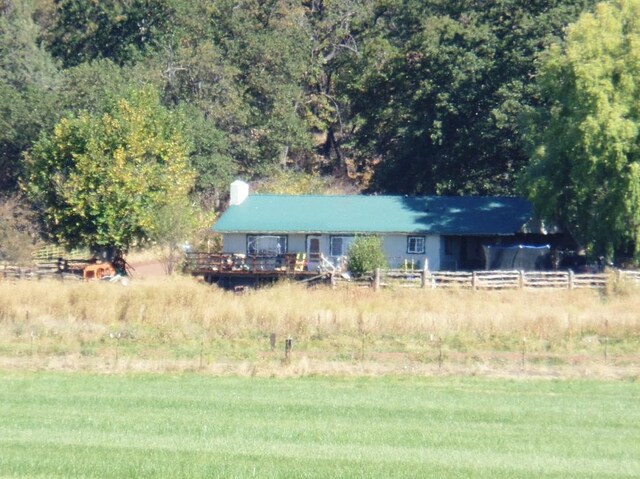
(402, 278)
(495, 280)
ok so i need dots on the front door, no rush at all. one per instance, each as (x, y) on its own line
(313, 251)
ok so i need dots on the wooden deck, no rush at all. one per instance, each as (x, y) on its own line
(230, 270)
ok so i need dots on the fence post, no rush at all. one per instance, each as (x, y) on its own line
(570, 279)
(520, 279)
(474, 280)
(201, 353)
(423, 278)
(288, 346)
(376, 280)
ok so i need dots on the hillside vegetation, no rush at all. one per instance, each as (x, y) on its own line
(391, 96)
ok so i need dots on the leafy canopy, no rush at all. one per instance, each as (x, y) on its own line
(438, 90)
(585, 143)
(28, 78)
(99, 180)
(116, 29)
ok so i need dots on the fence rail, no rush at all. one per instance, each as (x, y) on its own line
(476, 280)
(499, 280)
(44, 269)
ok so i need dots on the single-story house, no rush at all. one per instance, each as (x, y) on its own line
(439, 232)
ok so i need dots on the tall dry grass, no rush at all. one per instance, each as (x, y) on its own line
(181, 318)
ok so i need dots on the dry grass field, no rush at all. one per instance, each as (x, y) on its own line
(377, 384)
(178, 324)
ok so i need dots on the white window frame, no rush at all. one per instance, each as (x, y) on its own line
(282, 241)
(417, 240)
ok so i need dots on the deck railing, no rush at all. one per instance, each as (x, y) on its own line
(202, 263)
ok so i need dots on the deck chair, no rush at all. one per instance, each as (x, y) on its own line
(301, 262)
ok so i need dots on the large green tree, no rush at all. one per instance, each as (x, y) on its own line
(439, 87)
(585, 142)
(238, 68)
(99, 180)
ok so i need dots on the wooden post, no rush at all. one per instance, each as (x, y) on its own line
(201, 353)
(376, 280)
(288, 345)
(606, 337)
(33, 340)
(272, 341)
(570, 279)
(474, 280)
(425, 271)
(520, 279)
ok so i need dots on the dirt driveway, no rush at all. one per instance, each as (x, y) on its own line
(147, 269)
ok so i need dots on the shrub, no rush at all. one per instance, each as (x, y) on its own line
(365, 255)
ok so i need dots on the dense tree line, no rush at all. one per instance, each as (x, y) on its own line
(395, 96)
(426, 96)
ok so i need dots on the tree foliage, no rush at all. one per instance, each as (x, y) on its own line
(397, 96)
(242, 66)
(585, 142)
(28, 81)
(98, 180)
(18, 232)
(439, 88)
(175, 222)
(116, 29)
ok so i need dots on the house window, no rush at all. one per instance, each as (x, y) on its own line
(415, 244)
(266, 245)
(340, 245)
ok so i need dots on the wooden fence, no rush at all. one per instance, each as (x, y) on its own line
(44, 269)
(476, 280)
(499, 280)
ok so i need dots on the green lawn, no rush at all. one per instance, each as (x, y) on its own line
(189, 425)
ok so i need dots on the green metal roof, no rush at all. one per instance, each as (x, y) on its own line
(450, 215)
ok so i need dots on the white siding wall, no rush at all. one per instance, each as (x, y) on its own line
(234, 243)
(395, 248)
(297, 243)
